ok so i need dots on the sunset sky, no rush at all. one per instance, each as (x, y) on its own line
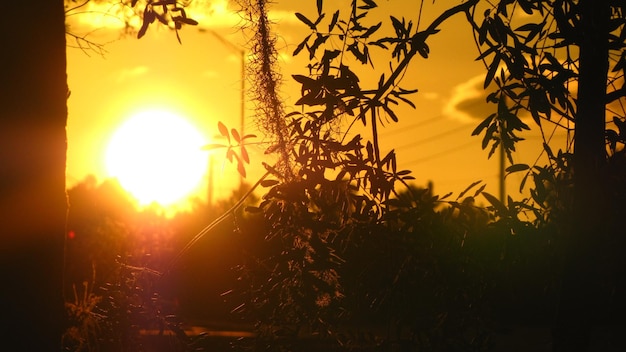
(200, 80)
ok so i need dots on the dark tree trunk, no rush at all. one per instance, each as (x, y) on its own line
(33, 114)
(581, 305)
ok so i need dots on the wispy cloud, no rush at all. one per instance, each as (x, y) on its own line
(468, 101)
(130, 73)
(209, 73)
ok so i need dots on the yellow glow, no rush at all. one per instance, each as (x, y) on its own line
(156, 157)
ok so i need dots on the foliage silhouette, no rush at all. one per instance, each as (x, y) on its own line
(126, 288)
(33, 116)
(113, 252)
(564, 64)
(346, 251)
(341, 252)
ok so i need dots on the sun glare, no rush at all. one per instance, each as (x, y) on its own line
(157, 157)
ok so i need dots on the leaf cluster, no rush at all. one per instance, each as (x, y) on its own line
(170, 13)
(534, 67)
(343, 244)
(235, 153)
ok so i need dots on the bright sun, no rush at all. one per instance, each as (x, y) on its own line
(157, 157)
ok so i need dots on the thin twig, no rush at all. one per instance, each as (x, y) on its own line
(213, 224)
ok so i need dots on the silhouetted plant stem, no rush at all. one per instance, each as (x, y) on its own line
(214, 223)
(391, 81)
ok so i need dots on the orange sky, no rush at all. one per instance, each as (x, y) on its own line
(200, 80)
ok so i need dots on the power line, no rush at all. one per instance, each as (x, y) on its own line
(434, 137)
(413, 126)
(446, 151)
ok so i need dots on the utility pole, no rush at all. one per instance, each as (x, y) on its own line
(242, 89)
(242, 108)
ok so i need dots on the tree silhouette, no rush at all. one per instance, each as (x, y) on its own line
(33, 113)
(33, 204)
(338, 182)
(564, 63)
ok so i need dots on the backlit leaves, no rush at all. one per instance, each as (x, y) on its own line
(343, 211)
(235, 153)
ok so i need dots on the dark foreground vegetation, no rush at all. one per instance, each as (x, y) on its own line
(339, 251)
(434, 276)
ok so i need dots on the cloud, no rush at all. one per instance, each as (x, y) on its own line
(130, 73)
(467, 102)
(209, 74)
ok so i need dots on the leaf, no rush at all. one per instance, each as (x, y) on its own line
(235, 134)
(148, 17)
(390, 112)
(468, 188)
(188, 21)
(333, 21)
(446, 195)
(517, 168)
(301, 46)
(304, 80)
(369, 4)
(318, 41)
(319, 7)
(528, 27)
(527, 6)
(494, 146)
(241, 168)
(548, 151)
(498, 205)
(244, 154)
(487, 53)
(523, 183)
(223, 130)
(423, 50)
(161, 18)
(269, 183)
(330, 55)
(142, 30)
(177, 35)
(492, 71)
(319, 19)
(480, 190)
(371, 30)
(370, 151)
(305, 20)
(361, 56)
(486, 122)
(397, 25)
(407, 101)
(621, 63)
